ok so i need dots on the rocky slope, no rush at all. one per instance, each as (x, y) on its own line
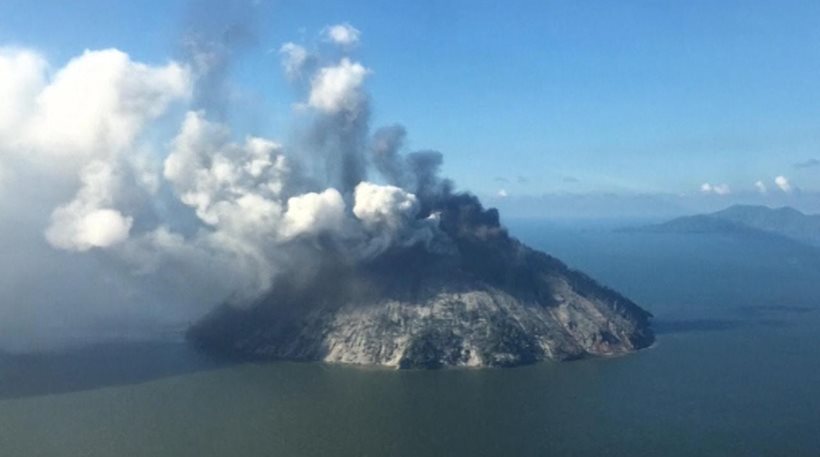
(487, 301)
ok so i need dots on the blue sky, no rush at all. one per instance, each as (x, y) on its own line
(532, 97)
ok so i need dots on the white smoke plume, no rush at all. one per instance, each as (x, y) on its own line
(338, 88)
(88, 221)
(296, 60)
(717, 189)
(344, 35)
(117, 229)
(783, 184)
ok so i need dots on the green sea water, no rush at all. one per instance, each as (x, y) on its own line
(735, 372)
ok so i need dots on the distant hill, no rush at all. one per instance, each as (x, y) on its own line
(747, 219)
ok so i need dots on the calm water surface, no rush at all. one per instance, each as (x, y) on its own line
(736, 371)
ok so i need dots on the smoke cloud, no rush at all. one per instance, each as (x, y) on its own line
(344, 35)
(783, 184)
(136, 233)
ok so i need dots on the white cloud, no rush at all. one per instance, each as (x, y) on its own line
(83, 124)
(783, 184)
(502, 193)
(313, 213)
(99, 102)
(717, 189)
(388, 216)
(88, 118)
(88, 221)
(338, 88)
(294, 59)
(721, 189)
(83, 167)
(73, 139)
(235, 188)
(761, 187)
(146, 169)
(344, 35)
(384, 207)
(22, 77)
(97, 228)
(246, 196)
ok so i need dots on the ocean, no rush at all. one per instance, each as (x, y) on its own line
(735, 371)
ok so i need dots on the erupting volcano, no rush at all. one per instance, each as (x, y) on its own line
(400, 270)
(340, 244)
(481, 298)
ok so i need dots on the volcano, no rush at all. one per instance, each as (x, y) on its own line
(358, 251)
(480, 299)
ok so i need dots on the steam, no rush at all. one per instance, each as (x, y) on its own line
(87, 221)
(344, 35)
(296, 60)
(157, 230)
(217, 34)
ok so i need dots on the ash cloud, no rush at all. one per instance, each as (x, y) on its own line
(138, 236)
(211, 44)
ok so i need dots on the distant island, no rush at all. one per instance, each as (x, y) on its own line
(784, 222)
(485, 300)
